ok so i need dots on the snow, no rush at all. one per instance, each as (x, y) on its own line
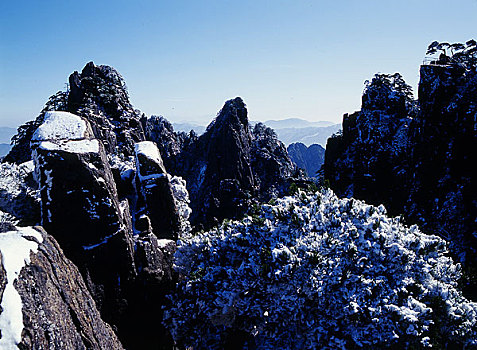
(103, 241)
(60, 126)
(162, 243)
(149, 150)
(328, 272)
(15, 249)
(77, 146)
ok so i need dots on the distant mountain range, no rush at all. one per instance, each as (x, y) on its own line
(188, 126)
(289, 130)
(6, 134)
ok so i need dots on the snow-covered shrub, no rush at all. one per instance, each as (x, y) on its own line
(181, 197)
(18, 196)
(7, 222)
(315, 271)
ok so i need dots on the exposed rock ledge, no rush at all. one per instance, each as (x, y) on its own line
(45, 303)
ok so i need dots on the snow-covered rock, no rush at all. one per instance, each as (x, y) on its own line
(45, 302)
(155, 197)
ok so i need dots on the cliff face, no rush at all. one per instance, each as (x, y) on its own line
(309, 158)
(45, 301)
(418, 162)
(442, 191)
(226, 166)
(112, 237)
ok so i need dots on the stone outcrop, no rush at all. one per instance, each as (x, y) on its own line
(82, 209)
(53, 308)
(309, 158)
(155, 196)
(227, 166)
(99, 95)
(416, 161)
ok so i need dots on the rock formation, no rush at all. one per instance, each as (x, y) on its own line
(309, 158)
(81, 207)
(226, 166)
(45, 302)
(417, 161)
(99, 95)
(155, 196)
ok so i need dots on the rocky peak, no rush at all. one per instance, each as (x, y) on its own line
(99, 95)
(417, 161)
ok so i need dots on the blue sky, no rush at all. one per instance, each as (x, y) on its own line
(183, 59)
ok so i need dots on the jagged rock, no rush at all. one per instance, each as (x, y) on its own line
(155, 197)
(419, 163)
(227, 165)
(271, 163)
(309, 158)
(367, 159)
(99, 95)
(81, 209)
(47, 304)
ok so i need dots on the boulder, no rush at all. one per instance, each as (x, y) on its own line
(155, 196)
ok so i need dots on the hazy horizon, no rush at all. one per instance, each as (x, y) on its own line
(183, 59)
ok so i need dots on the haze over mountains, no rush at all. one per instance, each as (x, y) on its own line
(288, 130)
(6, 134)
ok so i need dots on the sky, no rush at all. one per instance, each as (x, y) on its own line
(184, 59)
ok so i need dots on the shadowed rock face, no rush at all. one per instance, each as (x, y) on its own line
(227, 165)
(82, 209)
(155, 197)
(58, 311)
(308, 158)
(419, 163)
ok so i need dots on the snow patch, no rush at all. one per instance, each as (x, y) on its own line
(149, 150)
(15, 249)
(60, 126)
(81, 146)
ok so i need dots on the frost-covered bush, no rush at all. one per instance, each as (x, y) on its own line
(315, 271)
(181, 197)
(18, 196)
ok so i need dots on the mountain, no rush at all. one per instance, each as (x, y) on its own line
(227, 166)
(308, 158)
(307, 136)
(4, 149)
(104, 180)
(187, 127)
(416, 156)
(6, 134)
(154, 238)
(289, 130)
(295, 123)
